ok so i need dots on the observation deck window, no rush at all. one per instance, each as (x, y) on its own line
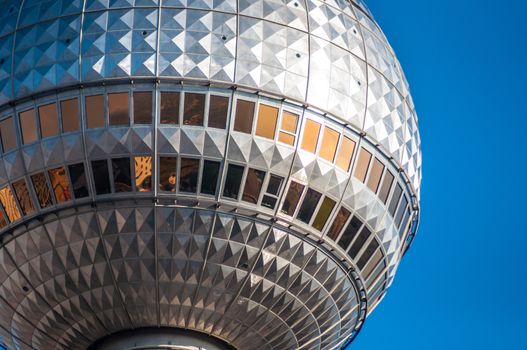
(211, 174)
(167, 174)
(194, 109)
(78, 180)
(41, 187)
(95, 111)
(169, 109)
(142, 107)
(49, 122)
(253, 185)
(69, 112)
(266, 123)
(118, 109)
(244, 116)
(122, 176)
(218, 111)
(188, 175)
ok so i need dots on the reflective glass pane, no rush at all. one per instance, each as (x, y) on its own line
(289, 122)
(286, 138)
(275, 182)
(3, 221)
(143, 174)
(359, 242)
(218, 109)
(375, 175)
(9, 204)
(40, 185)
(143, 107)
(49, 122)
(339, 222)
(101, 176)
(330, 141)
(233, 181)
(253, 185)
(8, 134)
(78, 180)
(209, 180)
(375, 260)
(167, 174)
(118, 109)
(310, 138)
(269, 202)
(169, 109)
(366, 255)
(266, 123)
(193, 109)
(308, 205)
(28, 125)
(402, 208)
(60, 184)
(69, 111)
(292, 198)
(95, 111)
(350, 232)
(323, 213)
(345, 154)
(188, 175)
(362, 165)
(395, 199)
(122, 177)
(24, 199)
(244, 116)
(386, 186)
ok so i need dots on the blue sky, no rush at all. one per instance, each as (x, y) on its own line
(463, 284)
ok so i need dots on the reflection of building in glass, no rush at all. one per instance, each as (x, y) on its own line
(248, 170)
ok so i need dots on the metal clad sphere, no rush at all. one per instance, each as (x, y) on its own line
(248, 169)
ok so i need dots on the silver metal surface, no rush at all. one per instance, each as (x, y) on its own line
(256, 277)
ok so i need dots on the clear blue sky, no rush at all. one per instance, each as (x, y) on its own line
(463, 285)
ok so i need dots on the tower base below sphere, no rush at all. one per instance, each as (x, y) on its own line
(160, 339)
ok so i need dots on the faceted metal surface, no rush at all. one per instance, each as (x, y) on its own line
(75, 271)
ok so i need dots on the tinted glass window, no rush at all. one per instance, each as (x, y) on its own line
(169, 109)
(118, 108)
(368, 253)
(143, 107)
(194, 108)
(350, 232)
(375, 260)
(288, 130)
(78, 180)
(9, 204)
(69, 111)
(28, 125)
(386, 186)
(188, 175)
(101, 176)
(330, 141)
(266, 124)
(395, 199)
(122, 177)
(292, 198)
(244, 116)
(24, 199)
(60, 184)
(218, 109)
(167, 174)
(233, 181)
(362, 165)
(143, 173)
(310, 138)
(323, 213)
(211, 173)
(308, 205)
(7, 133)
(95, 111)
(400, 212)
(345, 154)
(375, 175)
(40, 185)
(253, 185)
(49, 122)
(273, 187)
(339, 222)
(3, 223)
(359, 242)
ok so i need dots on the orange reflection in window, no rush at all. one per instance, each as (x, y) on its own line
(362, 165)
(49, 122)
(375, 175)
(345, 154)
(329, 144)
(266, 124)
(143, 173)
(24, 199)
(28, 126)
(69, 110)
(9, 204)
(60, 184)
(310, 140)
(95, 111)
(288, 130)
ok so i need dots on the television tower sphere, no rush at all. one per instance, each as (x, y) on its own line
(213, 174)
